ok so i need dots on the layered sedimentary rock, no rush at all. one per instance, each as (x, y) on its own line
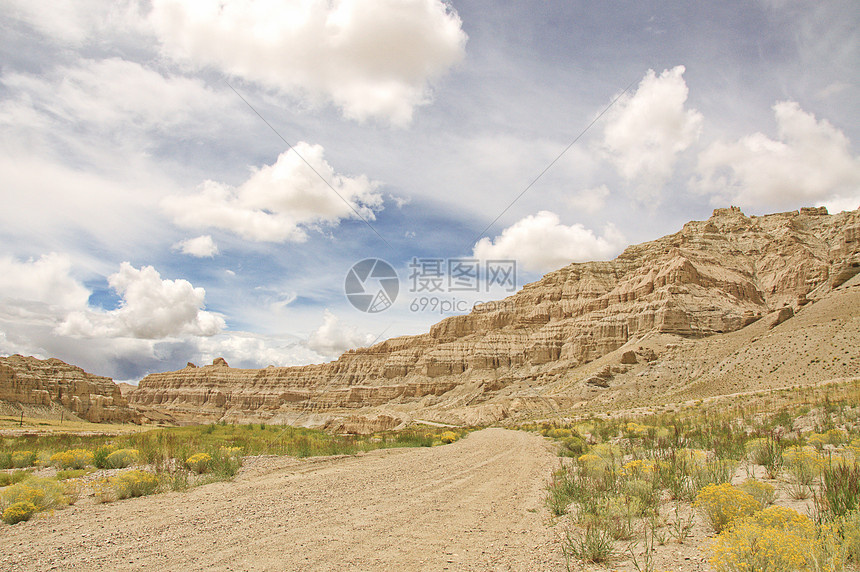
(52, 382)
(509, 358)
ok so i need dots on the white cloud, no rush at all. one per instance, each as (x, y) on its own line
(371, 58)
(151, 308)
(243, 349)
(111, 95)
(45, 281)
(279, 201)
(590, 200)
(809, 163)
(332, 338)
(76, 21)
(541, 243)
(201, 247)
(645, 132)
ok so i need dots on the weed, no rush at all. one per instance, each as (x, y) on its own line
(594, 544)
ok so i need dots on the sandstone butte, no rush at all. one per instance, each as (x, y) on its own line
(730, 304)
(45, 386)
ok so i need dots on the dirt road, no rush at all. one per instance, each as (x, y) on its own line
(476, 504)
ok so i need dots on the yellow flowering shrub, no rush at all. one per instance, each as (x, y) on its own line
(448, 437)
(232, 452)
(19, 512)
(638, 468)
(558, 433)
(134, 484)
(721, 504)
(804, 463)
(636, 428)
(72, 459)
(199, 463)
(775, 539)
(36, 492)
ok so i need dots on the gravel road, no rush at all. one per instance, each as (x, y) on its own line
(476, 504)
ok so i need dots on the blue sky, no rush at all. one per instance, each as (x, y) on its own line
(151, 217)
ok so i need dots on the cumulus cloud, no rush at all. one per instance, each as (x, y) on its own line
(541, 243)
(151, 308)
(646, 131)
(279, 201)
(332, 338)
(200, 247)
(809, 162)
(371, 58)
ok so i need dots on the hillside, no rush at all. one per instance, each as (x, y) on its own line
(723, 305)
(52, 387)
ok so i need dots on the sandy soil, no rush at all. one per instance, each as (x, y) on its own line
(476, 504)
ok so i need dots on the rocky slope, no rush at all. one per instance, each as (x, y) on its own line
(586, 333)
(50, 384)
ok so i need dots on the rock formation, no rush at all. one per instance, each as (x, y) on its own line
(554, 343)
(53, 383)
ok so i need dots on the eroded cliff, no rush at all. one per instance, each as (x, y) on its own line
(53, 383)
(536, 352)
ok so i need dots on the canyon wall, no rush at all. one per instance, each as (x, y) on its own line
(54, 383)
(709, 279)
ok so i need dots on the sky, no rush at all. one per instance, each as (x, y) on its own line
(183, 180)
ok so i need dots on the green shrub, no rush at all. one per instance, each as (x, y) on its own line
(840, 491)
(122, 458)
(101, 455)
(764, 493)
(448, 437)
(723, 503)
(13, 477)
(21, 459)
(592, 545)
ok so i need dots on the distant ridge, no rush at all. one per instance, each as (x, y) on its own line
(694, 312)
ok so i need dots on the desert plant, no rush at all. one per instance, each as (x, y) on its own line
(199, 463)
(773, 540)
(448, 437)
(764, 493)
(839, 493)
(594, 544)
(134, 484)
(21, 459)
(101, 455)
(19, 512)
(72, 459)
(721, 504)
(122, 458)
(40, 493)
(13, 477)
